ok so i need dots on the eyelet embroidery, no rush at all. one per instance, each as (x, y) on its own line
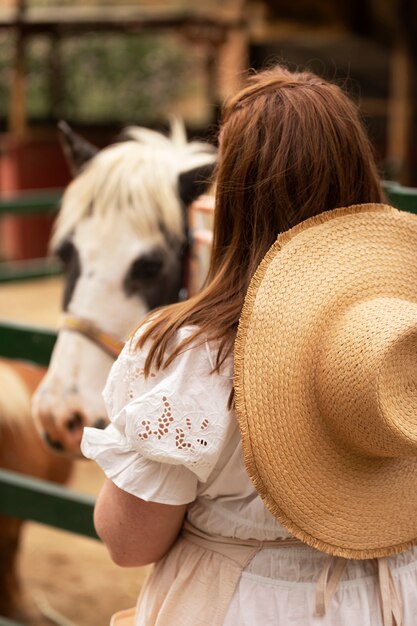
(134, 374)
(163, 423)
(139, 372)
(180, 435)
(183, 440)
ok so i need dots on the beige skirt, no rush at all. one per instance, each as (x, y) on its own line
(194, 584)
(199, 571)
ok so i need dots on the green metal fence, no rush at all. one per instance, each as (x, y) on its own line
(8, 622)
(39, 202)
(29, 498)
(404, 198)
(26, 343)
(47, 503)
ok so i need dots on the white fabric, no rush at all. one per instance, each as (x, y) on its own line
(173, 440)
(278, 588)
(194, 456)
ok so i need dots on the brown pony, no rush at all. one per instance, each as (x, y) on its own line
(21, 450)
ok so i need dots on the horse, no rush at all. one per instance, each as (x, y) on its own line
(21, 450)
(122, 236)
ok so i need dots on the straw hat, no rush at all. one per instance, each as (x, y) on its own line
(326, 381)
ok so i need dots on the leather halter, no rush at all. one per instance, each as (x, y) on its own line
(110, 344)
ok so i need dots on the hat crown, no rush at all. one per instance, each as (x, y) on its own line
(366, 378)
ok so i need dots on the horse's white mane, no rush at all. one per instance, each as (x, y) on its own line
(137, 177)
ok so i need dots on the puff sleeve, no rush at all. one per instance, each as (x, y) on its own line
(167, 431)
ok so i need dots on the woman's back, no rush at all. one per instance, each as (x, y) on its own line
(180, 493)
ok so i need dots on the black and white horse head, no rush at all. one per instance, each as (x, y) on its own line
(122, 235)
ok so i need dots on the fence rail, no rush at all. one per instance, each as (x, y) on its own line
(35, 202)
(26, 343)
(4, 621)
(404, 198)
(47, 503)
(31, 269)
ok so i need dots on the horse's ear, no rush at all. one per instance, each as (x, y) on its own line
(78, 151)
(195, 182)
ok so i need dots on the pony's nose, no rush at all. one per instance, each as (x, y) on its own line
(62, 434)
(75, 422)
(71, 431)
(52, 443)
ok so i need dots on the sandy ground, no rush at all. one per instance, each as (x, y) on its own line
(73, 575)
(62, 572)
(35, 301)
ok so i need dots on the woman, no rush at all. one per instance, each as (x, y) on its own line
(177, 494)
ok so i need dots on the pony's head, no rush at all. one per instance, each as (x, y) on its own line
(122, 236)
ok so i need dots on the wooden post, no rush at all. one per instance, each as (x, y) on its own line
(399, 123)
(17, 108)
(233, 55)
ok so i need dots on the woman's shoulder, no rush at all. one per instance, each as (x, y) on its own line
(181, 334)
(200, 348)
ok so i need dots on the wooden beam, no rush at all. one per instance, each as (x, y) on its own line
(399, 123)
(78, 19)
(234, 56)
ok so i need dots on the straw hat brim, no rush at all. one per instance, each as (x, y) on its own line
(328, 496)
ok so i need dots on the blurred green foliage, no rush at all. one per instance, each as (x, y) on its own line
(102, 78)
(6, 60)
(136, 77)
(38, 80)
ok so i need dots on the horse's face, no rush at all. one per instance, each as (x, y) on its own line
(114, 276)
(113, 280)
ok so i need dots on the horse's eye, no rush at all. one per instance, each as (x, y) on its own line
(68, 254)
(146, 268)
(65, 252)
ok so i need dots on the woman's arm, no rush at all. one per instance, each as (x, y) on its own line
(135, 532)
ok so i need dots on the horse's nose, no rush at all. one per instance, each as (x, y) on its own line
(53, 443)
(75, 422)
(63, 434)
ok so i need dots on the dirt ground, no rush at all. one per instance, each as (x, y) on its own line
(73, 575)
(66, 577)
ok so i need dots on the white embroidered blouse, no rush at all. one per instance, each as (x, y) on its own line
(173, 440)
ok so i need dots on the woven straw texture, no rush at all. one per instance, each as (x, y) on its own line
(326, 381)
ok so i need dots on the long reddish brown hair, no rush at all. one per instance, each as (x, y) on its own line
(291, 146)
